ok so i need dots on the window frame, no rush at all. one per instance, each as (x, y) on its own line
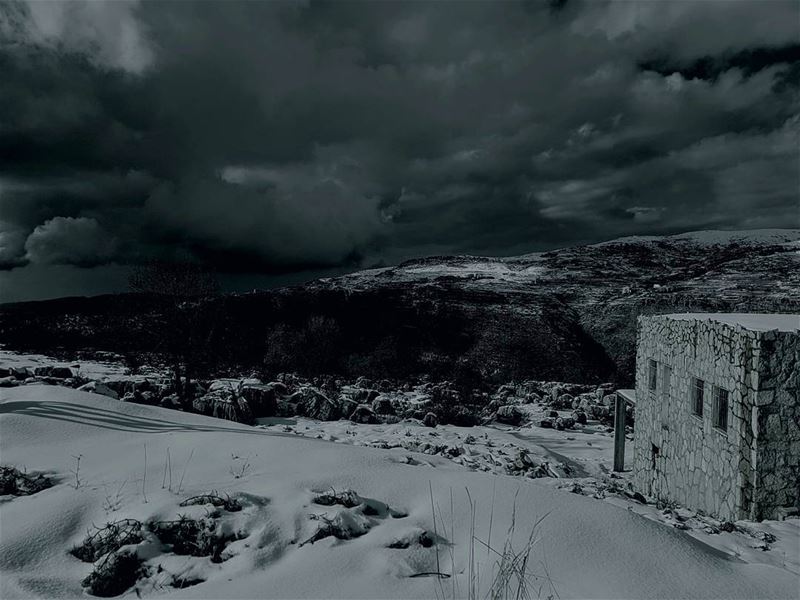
(720, 417)
(698, 397)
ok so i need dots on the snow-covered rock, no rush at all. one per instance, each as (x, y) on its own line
(53, 371)
(363, 414)
(224, 404)
(314, 404)
(509, 414)
(97, 387)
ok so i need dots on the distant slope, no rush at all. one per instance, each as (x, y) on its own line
(567, 314)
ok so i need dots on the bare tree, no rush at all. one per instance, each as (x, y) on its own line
(188, 319)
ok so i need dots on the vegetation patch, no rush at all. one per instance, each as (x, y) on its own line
(118, 572)
(192, 537)
(108, 539)
(18, 483)
(227, 503)
(347, 498)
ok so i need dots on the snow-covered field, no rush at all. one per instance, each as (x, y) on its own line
(413, 513)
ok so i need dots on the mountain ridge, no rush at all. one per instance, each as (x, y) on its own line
(567, 314)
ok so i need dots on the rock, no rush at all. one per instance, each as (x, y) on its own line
(223, 404)
(523, 461)
(563, 423)
(170, 401)
(97, 387)
(120, 386)
(222, 385)
(363, 414)
(509, 414)
(8, 381)
(138, 397)
(430, 420)
(564, 401)
(21, 373)
(553, 414)
(55, 372)
(363, 382)
(382, 405)
(316, 405)
(284, 408)
(506, 390)
(364, 396)
(6, 372)
(580, 417)
(348, 405)
(263, 398)
(547, 423)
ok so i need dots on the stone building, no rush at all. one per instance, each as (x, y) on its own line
(718, 413)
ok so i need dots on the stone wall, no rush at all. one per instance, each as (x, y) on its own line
(777, 425)
(697, 465)
(749, 470)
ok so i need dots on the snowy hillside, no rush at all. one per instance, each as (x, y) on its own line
(281, 492)
(565, 315)
(538, 267)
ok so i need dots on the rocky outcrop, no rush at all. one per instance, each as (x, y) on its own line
(224, 404)
(54, 372)
(509, 414)
(264, 398)
(312, 403)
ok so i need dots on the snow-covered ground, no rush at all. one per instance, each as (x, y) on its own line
(493, 448)
(91, 369)
(583, 548)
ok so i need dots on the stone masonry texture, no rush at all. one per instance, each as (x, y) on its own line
(752, 468)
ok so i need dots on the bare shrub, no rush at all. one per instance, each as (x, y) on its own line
(336, 527)
(109, 538)
(347, 498)
(18, 483)
(192, 537)
(117, 573)
(228, 503)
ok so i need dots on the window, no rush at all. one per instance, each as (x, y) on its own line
(652, 375)
(720, 408)
(697, 396)
(654, 453)
(666, 379)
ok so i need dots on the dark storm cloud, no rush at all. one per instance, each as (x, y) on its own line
(272, 137)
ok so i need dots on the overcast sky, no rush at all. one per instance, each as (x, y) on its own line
(278, 142)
